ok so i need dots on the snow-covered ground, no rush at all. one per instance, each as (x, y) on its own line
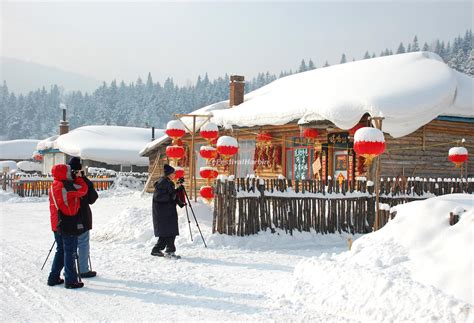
(265, 277)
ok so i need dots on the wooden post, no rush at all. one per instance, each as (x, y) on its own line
(192, 164)
(378, 124)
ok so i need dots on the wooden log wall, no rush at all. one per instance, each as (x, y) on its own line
(247, 206)
(424, 152)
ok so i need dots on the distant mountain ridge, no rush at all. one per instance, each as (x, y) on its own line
(23, 77)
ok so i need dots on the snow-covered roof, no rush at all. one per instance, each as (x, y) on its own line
(108, 144)
(48, 143)
(154, 144)
(17, 149)
(10, 164)
(409, 90)
(29, 166)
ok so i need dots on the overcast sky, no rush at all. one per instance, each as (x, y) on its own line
(120, 40)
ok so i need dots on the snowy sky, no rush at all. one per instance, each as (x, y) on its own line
(122, 40)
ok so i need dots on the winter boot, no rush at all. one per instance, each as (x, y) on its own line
(54, 282)
(74, 285)
(89, 274)
(157, 252)
(172, 255)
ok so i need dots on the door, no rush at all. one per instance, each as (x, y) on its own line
(340, 164)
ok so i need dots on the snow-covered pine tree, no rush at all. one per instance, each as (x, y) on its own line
(311, 65)
(401, 49)
(303, 67)
(366, 55)
(343, 59)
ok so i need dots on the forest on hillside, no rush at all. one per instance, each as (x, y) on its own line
(147, 103)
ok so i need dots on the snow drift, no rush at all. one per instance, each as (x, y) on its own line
(108, 144)
(417, 267)
(409, 90)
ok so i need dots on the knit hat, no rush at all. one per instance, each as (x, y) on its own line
(168, 170)
(75, 163)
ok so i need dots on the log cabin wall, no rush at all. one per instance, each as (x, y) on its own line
(424, 153)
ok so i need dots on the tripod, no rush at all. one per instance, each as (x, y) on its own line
(194, 215)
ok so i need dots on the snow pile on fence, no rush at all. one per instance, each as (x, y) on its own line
(20, 149)
(108, 144)
(409, 90)
(29, 166)
(417, 251)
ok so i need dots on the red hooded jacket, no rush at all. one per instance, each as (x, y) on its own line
(67, 193)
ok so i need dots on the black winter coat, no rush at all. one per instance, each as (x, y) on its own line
(88, 199)
(165, 216)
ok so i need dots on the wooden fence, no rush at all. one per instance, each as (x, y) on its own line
(246, 206)
(38, 185)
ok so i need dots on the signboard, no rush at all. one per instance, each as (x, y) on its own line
(338, 138)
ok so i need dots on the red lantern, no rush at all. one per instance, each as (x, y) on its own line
(227, 146)
(175, 129)
(209, 131)
(264, 136)
(207, 192)
(208, 172)
(175, 152)
(310, 133)
(208, 152)
(353, 130)
(179, 171)
(458, 155)
(38, 157)
(369, 143)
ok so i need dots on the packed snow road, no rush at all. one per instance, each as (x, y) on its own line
(234, 279)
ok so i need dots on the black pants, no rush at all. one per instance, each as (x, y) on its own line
(167, 242)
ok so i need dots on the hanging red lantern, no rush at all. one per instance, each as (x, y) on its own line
(207, 192)
(208, 172)
(227, 146)
(37, 156)
(179, 171)
(369, 143)
(208, 152)
(175, 129)
(209, 131)
(353, 130)
(175, 152)
(458, 155)
(310, 133)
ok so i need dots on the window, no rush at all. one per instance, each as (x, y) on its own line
(245, 158)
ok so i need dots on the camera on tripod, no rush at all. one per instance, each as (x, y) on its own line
(180, 180)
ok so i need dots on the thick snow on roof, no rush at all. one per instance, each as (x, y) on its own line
(17, 149)
(154, 144)
(48, 143)
(409, 90)
(108, 144)
(29, 166)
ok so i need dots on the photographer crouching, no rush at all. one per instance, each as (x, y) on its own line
(165, 216)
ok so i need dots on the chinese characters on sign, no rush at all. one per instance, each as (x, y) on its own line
(338, 138)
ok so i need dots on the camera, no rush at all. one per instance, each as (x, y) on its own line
(180, 180)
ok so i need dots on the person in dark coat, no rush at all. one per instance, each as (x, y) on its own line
(85, 212)
(165, 216)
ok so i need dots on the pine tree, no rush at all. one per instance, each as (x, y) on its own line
(326, 64)
(426, 48)
(366, 55)
(415, 47)
(409, 48)
(343, 59)
(311, 65)
(303, 67)
(469, 64)
(401, 49)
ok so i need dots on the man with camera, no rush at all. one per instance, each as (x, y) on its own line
(165, 216)
(85, 213)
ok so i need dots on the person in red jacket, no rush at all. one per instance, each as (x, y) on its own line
(64, 202)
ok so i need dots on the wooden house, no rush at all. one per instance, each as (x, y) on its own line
(427, 108)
